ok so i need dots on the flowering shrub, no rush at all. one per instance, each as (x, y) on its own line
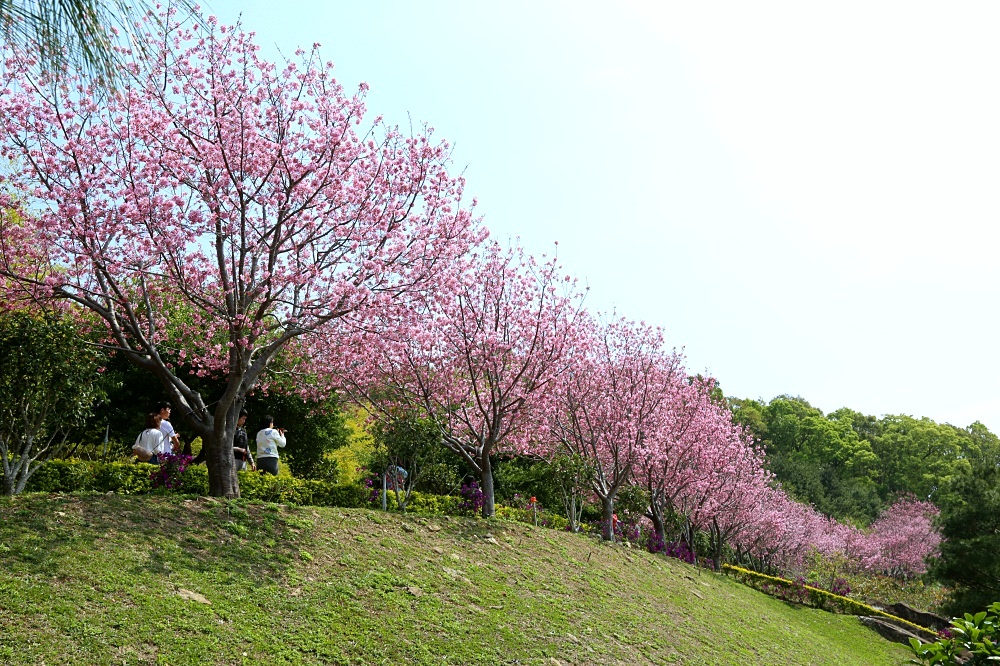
(655, 544)
(170, 472)
(373, 484)
(472, 499)
(680, 550)
(840, 587)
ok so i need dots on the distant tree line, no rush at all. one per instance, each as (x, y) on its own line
(851, 466)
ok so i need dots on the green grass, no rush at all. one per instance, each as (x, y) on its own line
(124, 580)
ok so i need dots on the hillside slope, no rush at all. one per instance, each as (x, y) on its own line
(141, 580)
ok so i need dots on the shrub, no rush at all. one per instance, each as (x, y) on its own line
(128, 478)
(472, 499)
(527, 515)
(68, 476)
(122, 478)
(971, 639)
(170, 473)
(428, 503)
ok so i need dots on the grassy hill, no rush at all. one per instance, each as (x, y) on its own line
(164, 580)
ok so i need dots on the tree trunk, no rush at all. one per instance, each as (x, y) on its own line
(217, 447)
(486, 485)
(656, 517)
(573, 525)
(608, 517)
(222, 481)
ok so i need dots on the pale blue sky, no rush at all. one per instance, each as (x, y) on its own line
(805, 199)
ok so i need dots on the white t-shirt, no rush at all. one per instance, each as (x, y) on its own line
(268, 441)
(151, 440)
(168, 437)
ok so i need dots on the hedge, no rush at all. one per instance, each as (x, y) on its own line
(808, 595)
(131, 478)
(128, 478)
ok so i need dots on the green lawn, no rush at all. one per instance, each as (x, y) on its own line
(163, 580)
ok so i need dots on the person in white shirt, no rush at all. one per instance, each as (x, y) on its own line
(172, 441)
(269, 439)
(150, 442)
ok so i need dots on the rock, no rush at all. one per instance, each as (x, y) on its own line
(889, 630)
(924, 619)
(415, 591)
(193, 596)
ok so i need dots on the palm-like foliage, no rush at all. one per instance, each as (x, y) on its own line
(75, 34)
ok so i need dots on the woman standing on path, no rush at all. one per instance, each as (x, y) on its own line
(269, 439)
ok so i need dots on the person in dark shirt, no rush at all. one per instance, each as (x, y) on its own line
(241, 445)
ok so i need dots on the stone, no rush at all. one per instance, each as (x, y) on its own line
(889, 630)
(924, 619)
(193, 596)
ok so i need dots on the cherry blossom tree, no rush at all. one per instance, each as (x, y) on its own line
(678, 456)
(899, 542)
(612, 402)
(215, 209)
(727, 503)
(478, 357)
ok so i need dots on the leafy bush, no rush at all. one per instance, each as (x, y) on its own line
(69, 476)
(548, 519)
(137, 478)
(427, 503)
(472, 499)
(123, 478)
(971, 640)
(171, 471)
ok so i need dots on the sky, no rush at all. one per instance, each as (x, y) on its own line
(803, 195)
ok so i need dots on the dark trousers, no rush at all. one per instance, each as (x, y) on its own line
(268, 465)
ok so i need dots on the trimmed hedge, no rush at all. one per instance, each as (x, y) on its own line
(545, 518)
(808, 595)
(127, 478)
(419, 502)
(69, 476)
(131, 478)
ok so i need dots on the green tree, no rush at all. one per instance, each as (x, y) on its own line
(920, 456)
(818, 460)
(48, 382)
(970, 527)
(407, 448)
